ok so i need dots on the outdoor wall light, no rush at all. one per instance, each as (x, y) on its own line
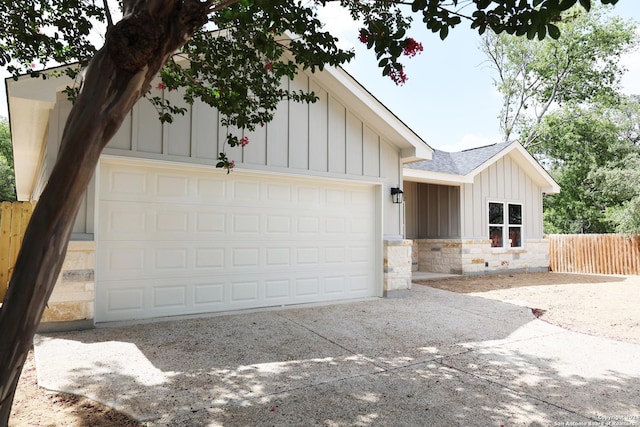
(397, 195)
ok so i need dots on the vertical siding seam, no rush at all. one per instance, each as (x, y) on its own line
(309, 126)
(346, 142)
(164, 146)
(191, 146)
(288, 125)
(362, 152)
(379, 155)
(130, 135)
(328, 133)
(134, 128)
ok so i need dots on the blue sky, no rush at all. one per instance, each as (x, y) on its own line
(449, 99)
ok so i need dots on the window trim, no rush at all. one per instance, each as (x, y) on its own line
(506, 225)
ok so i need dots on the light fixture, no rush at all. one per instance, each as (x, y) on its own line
(397, 195)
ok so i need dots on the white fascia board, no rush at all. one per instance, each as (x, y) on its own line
(430, 177)
(416, 154)
(344, 87)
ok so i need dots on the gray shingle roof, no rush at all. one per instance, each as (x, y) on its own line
(461, 162)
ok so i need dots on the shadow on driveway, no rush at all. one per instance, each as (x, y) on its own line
(435, 358)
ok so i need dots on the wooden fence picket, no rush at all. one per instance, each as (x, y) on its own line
(14, 218)
(594, 253)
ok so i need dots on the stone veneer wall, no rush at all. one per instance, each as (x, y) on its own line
(71, 303)
(397, 265)
(456, 256)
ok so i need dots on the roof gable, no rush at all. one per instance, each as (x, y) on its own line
(461, 167)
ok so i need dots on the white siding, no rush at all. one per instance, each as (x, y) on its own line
(502, 181)
(321, 138)
(324, 139)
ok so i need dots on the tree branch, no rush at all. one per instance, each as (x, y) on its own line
(107, 13)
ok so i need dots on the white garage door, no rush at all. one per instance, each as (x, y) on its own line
(188, 240)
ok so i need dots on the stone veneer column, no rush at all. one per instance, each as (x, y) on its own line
(397, 265)
(71, 303)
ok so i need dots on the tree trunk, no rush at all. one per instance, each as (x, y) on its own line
(118, 75)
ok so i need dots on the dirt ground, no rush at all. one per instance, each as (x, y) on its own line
(607, 306)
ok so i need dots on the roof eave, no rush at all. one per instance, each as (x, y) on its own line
(430, 177)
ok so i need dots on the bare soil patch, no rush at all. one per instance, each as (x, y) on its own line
(607, 306)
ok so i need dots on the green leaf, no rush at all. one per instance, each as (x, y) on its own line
(566, 4)
(418, 5)
(444, 32)
(554, 31)
(542, 32)
(586, 4)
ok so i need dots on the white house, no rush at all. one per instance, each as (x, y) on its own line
(306, 216)
(477, 211)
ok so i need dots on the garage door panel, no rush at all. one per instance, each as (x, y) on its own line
(153, 297)
(140, 259)
(183, 242)
(169, 296)
(208, 295)
(141, 221)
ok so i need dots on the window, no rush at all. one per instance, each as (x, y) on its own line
(505, 225)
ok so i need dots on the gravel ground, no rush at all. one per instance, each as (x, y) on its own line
(607, 306)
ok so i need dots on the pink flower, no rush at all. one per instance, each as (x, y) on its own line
(268, 66)
(161, 86)
(398, 77)
(363, 38)
(244, 141)
(412, 48)
(32, 65)
(232, 164)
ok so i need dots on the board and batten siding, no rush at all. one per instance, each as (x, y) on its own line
(432, 211)
(503, 181)
(323, 139)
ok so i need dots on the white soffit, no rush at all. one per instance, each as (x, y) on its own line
(430, 177)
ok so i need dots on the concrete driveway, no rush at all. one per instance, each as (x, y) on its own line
(434, 358)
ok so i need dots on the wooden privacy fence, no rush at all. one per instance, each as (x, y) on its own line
(14, 218)
(594, 253)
